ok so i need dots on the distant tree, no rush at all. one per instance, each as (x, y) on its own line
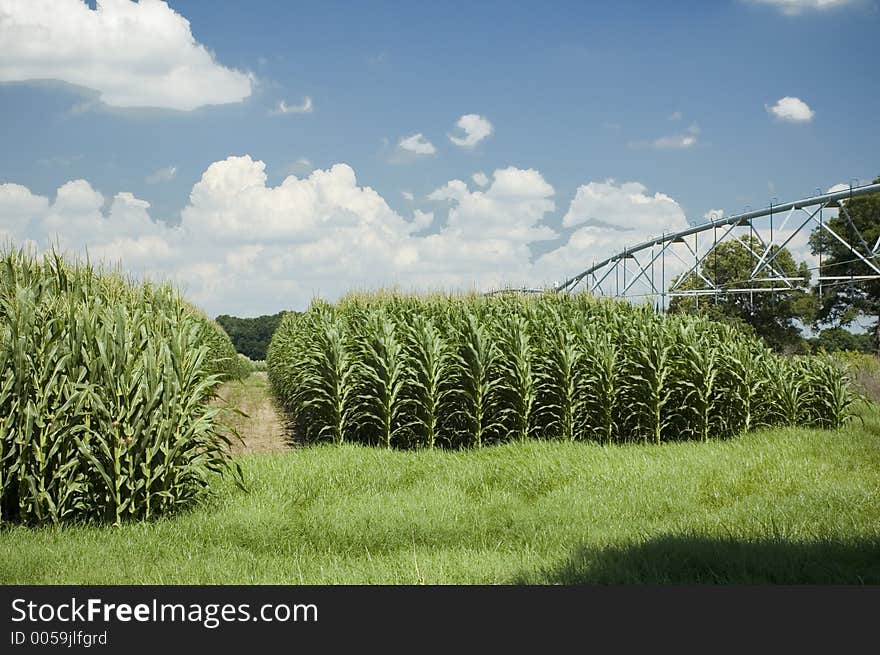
(841, 303)
(837, 338)
(251, 336)
(772, 315)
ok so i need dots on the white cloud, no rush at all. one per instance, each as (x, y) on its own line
(714, 215)
(78, 197)
(18, 208)
(485, 242)
(162, 175)
(675, 116)
(232, 203)
(407, 195)
(624, 207)
(247, 248)
(136, 253)
(77, 221)
(791, 110)
(475, 128)
(686, 139)
(422, 220)
(417, 144)
(795, 7)
(838, 187)
(305, 107)
(242, 259)
(132, 54)
(480, 178)
(511, 207)
(609, 217)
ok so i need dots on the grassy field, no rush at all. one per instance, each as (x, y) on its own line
(781, 506)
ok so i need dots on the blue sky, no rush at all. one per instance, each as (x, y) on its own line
(641, 116)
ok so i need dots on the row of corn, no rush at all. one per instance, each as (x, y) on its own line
(401, 370)
(105, 390)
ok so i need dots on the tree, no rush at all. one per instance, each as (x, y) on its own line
(858, 222)
(837, 338)
(251, 336)
(772, 315)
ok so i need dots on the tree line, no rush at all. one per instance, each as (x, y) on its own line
(251, 336)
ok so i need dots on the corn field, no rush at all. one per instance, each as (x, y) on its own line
(104, 395)
(408, 371)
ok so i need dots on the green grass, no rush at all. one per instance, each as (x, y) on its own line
(780, 506)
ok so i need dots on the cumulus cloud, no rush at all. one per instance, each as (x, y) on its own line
(791, 110)
(132, 54)
(422, 220)
(510, 208)
(162, 175)
(231, 202)
(18, 208)
(475, 129)
(623, 207)
(242, 259)
(714, 215)
(305, 107)
(795, 7)
(407, 195)
(77, 221)
(608, 217)
(838, 187)
(480, 178)
(486, 240)
(246, 247)
(417, 144)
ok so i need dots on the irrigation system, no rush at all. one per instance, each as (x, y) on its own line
(659, 267)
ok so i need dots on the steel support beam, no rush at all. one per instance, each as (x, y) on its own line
(822, 200)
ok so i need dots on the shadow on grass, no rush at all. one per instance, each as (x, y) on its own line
(703, 560)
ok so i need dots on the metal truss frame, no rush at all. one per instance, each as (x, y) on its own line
(654, 251)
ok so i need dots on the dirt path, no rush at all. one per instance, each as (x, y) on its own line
(261, 429)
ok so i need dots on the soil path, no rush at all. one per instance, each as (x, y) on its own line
(261, 430)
